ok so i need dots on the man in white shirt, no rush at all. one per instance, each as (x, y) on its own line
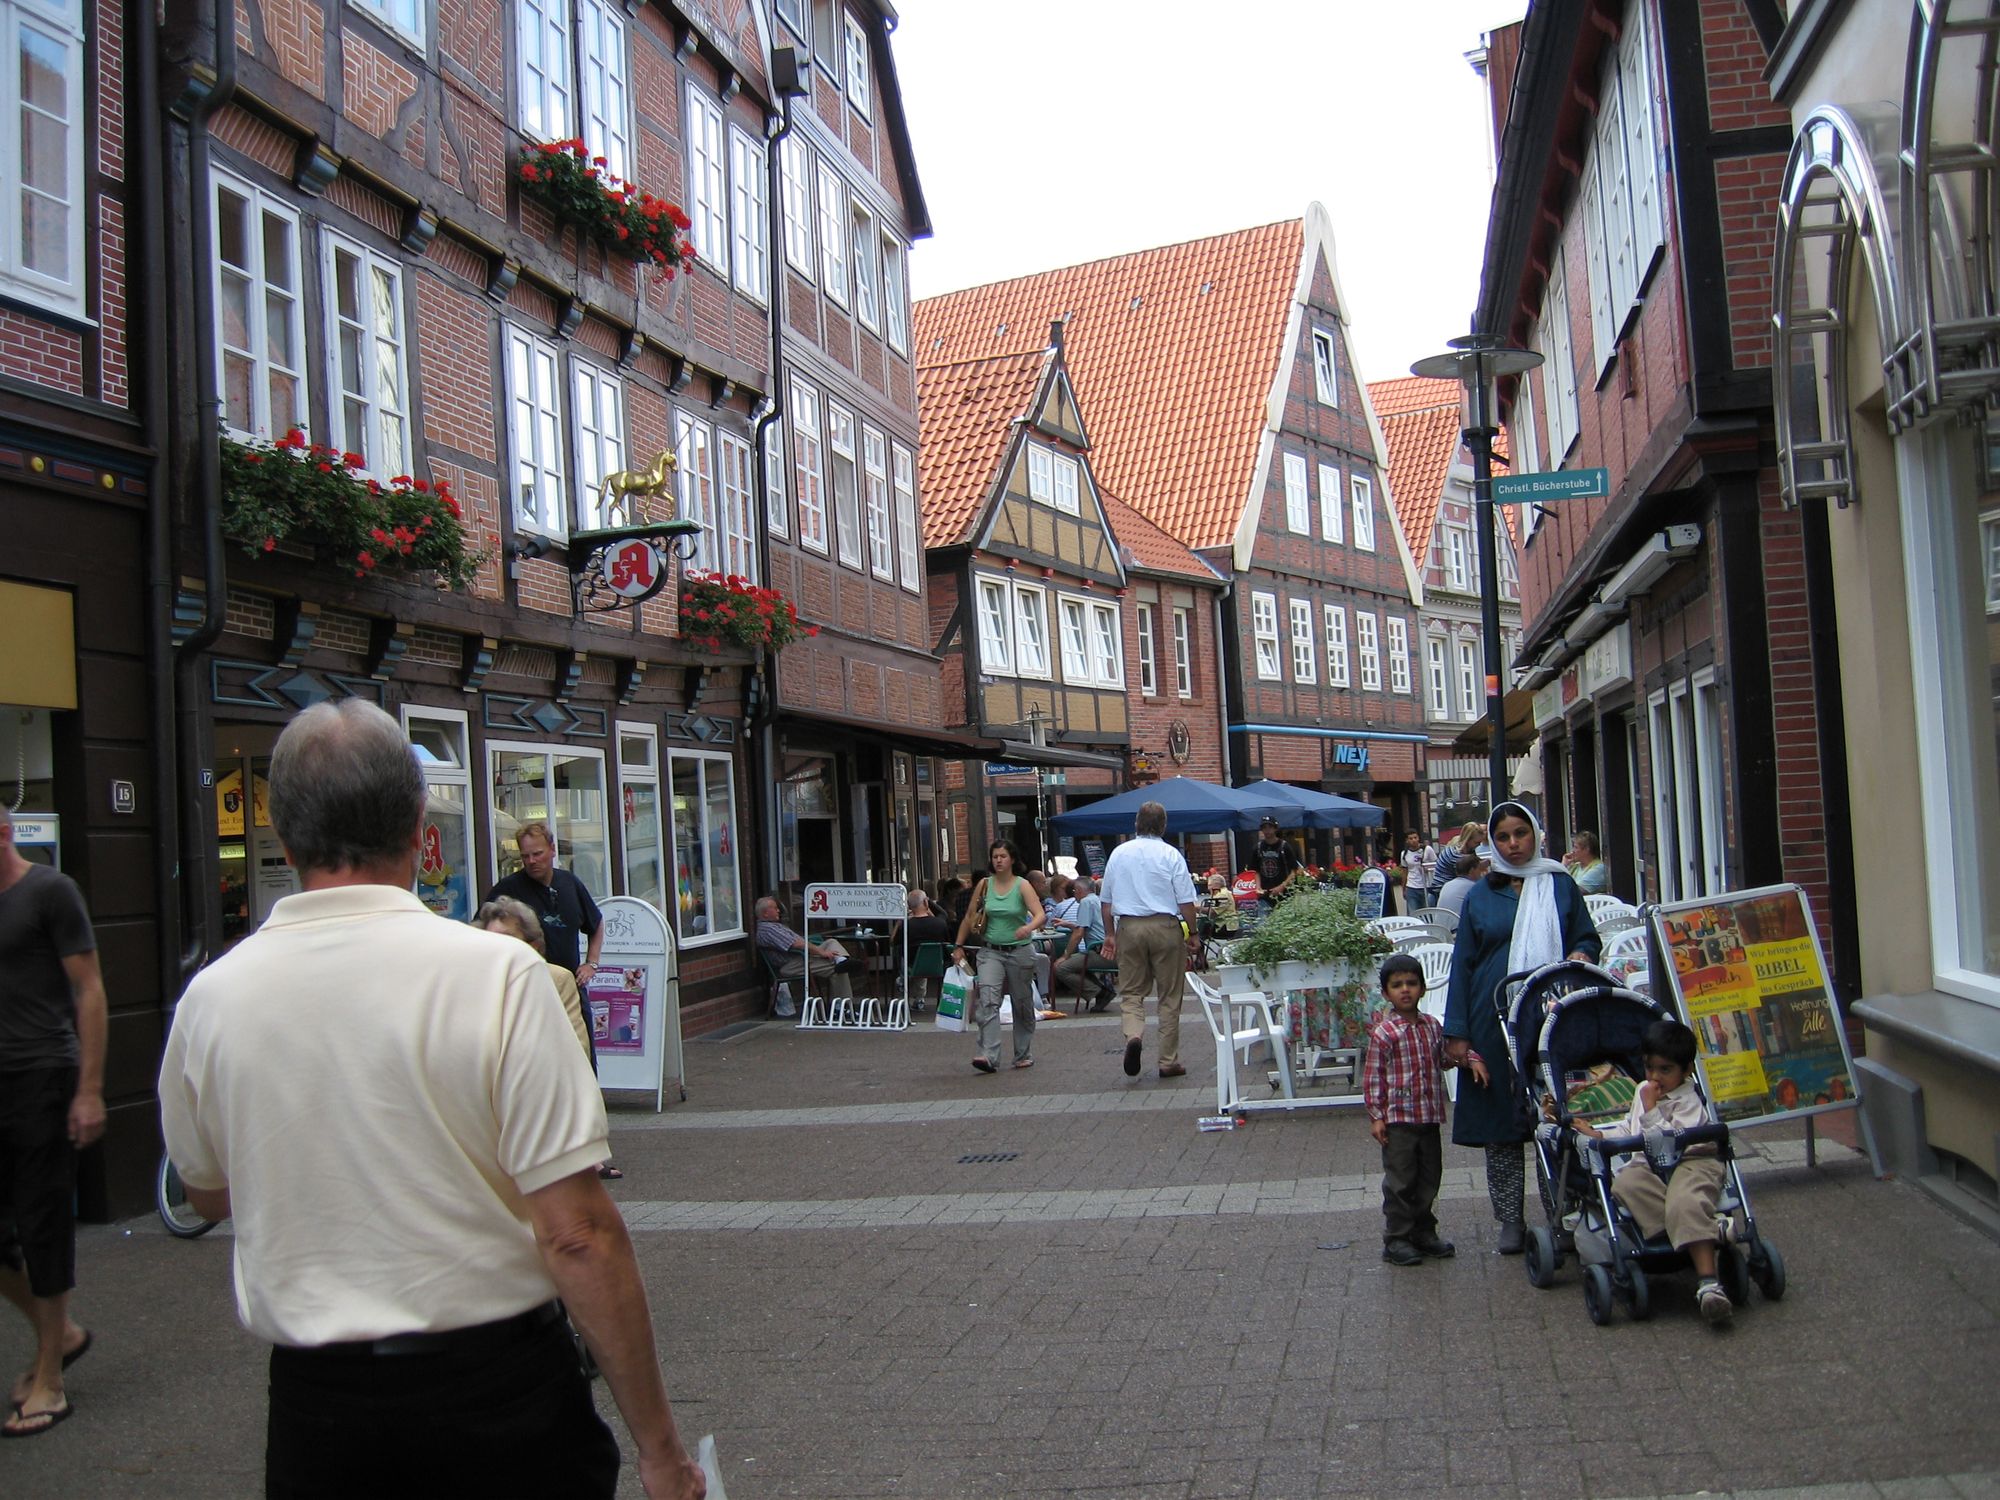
(1149, 909)
(397, 1115)
(1419, 861)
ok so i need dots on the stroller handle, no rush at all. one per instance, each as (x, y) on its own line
(1716, 1132)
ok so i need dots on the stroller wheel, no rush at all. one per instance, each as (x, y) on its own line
(1542, 1258)
(1768, 1266)
(1640, 1297)
(1733, 1273)
(1597, 1294)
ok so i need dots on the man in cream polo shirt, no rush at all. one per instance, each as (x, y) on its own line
(396, 1113)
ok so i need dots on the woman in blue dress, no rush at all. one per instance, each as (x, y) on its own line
(1526, 913)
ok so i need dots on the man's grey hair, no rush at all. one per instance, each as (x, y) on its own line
(346, 790)
(1082, 883)
(918, 899)
(1151, 821)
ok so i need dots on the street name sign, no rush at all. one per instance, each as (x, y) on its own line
(1563, 484)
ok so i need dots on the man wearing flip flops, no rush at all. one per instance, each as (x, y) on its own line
(52, 1022)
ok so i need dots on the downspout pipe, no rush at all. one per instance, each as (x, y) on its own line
(204, 433)
(144, 29)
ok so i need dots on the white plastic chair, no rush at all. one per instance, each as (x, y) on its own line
(1390, 926)
(1615, 923)
(1262, 1022)
(1436, 959)
(1631, 943)
(1602, 906)
(1444, 917)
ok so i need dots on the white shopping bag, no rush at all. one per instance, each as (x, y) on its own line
(711, 1467)
(954, 999)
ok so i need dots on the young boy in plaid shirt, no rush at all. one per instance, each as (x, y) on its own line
(1403, 1088)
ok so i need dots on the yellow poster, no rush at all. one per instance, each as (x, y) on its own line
(1718, 987)
(229, 804)
(1787, 968)
(1736, 1075)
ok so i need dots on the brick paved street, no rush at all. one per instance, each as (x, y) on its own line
(1129, 1307)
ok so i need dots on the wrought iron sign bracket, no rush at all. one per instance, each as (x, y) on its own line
(622, 566)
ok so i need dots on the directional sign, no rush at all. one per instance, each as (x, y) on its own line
(1563, 484)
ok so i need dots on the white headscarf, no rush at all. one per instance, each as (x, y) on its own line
(1538, 937)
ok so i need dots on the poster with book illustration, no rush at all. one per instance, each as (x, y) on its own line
(1751, 980)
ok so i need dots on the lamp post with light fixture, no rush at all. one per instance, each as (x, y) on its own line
(1475, 362)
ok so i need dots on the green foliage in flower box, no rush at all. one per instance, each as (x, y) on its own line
(582, 193)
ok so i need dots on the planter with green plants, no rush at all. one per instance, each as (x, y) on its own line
(1315, 948)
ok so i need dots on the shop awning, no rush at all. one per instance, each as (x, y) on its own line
(1021, 753)
(962, 744)
(1517, 714)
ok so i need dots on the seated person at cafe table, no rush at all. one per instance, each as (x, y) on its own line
(1086, 935)
(792, 953)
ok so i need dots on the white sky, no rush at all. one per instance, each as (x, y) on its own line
(1049, 132)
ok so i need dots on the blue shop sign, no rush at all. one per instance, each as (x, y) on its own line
(1351, 755)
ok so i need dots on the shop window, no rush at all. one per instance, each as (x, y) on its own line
(444, 865)
(561, 787)
(639, 809)
(27, 781)
(708, 897)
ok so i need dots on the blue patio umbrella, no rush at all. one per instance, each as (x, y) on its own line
(1309, 809)
(1192, 806)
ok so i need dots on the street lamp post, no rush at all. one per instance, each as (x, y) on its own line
(1475, 362)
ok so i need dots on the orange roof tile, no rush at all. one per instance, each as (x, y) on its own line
(1176, 347)
(965, 412)
(1144, 546)
(1420, 424)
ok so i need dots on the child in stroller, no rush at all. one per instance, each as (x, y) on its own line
(1682, 1204)
(1580, 1042)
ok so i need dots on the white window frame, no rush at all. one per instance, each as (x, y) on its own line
(61, 26)
(1107, 644)
(832, 232)
(1457, 556)
(1623, 225)
(1363, 490)
(1336, 645)
(1706, 712)
(736, 505)
(1666, 823)
(1068, 475)
(694, 483)
(1041, 475)
(379, 413)
(797, 15)
(1029, 618)
(534, 432)
(867, 271)
(708, 179)
(809, 465)
(1183, 623)
(909, 542)
(1264, 630)
(875, 494)
(1326, 368)
(1527, 443)
(645, 773)
(844, 447)
(707, 759)
(750, 235)
(455, 724)
(795, 166)
(1073, 625)
(404, 17)
(896, 292)
(1368, 649)
(1305, 659)
(1437, 669)
(604, 84)
(1466, 658)
(597, 420)
(258, 203)
(1558, 364)
(1332, 505)
(545, 78)
(994, 611)
(1503, 556)
(1298, 496)
(777, 502)
(1399, 654)
(1149, 675)
(859, 67)
(1989, 548)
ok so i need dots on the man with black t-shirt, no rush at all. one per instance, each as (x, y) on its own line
(1277, 863)
(569, 917)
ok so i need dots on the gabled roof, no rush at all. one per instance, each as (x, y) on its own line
(1176, 349)
(1143, 546)
(966, 412)
(1421, 425)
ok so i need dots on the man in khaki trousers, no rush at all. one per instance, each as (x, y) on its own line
(1148, 895)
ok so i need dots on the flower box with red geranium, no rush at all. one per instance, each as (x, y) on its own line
(582, 193)
(292, 491)
(720, 610)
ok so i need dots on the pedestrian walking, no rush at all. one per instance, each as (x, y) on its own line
(1005, 914)
(1149, 910)
(52, 1024)
(396, 1114)
(1419, 861)
(1402, 1086)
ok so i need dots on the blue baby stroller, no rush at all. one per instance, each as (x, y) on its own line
(1577, 1037)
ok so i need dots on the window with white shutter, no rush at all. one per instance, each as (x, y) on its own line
(1336, 645)
(1298, 499)
(1399, 654)
(1369, 648)
(1332, 511)
(1305, 660)
(1364, 512)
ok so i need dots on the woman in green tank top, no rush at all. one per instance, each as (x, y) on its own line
(1004, 914)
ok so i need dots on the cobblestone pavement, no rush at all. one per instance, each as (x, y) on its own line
(878, 1273)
